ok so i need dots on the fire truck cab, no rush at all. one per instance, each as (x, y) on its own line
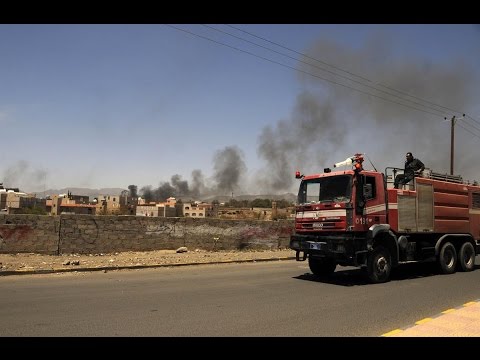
(355, 217)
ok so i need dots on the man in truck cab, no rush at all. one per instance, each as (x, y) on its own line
(412, 167)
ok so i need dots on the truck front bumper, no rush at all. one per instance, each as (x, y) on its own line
(345, 250)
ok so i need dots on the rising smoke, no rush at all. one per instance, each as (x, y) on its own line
(312, 131)
(22, 173)
(330, 122)
(229, 169)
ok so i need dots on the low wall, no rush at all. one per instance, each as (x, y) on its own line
(86, 234)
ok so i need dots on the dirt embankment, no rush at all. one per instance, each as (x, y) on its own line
(35, 262)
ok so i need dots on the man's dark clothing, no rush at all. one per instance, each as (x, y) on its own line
(409, 172)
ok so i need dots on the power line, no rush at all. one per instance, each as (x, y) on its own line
(346, 71)
(478, 122)
(463, 127)
(302, 71)
(296, 52)
(323, 69)
(320, 77)
(473, 126)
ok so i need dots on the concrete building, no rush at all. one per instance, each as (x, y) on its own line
(193, 210)
(70, 204)
(147, 210)
(109, 204)
(156, 209)
(128, 204)
(211, 210)
(16, 202)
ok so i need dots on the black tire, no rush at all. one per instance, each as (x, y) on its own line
(466, 257)
(379, 265)
(321, 267)
(447, 259)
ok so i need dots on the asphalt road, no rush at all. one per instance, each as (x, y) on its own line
(251, 299)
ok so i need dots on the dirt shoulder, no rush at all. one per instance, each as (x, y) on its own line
(32, 263)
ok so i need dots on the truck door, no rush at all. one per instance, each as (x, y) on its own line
(375, 209)
(370, 203)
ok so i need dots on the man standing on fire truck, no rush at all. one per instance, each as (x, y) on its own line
(412, 167)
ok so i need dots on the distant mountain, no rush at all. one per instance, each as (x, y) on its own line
(117, 191)
(287, 196)
(82, 191)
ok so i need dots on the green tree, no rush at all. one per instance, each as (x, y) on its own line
(261, 203)
(282, 204)
(35, 210)
(233, 203)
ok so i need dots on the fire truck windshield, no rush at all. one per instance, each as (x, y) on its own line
(325, 189)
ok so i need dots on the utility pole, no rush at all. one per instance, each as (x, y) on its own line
(452, 147)
(452, 142)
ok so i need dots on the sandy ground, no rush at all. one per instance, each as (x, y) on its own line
(28, 262)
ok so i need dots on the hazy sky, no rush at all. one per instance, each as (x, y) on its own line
(114, 105)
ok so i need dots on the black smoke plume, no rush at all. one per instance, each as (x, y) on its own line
(331, 122)
(229, 169)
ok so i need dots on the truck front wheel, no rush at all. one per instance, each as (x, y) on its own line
(447, 259)
(321, 267)
(379, 265)
(466, 257)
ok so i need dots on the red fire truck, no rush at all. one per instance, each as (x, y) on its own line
(355, 217)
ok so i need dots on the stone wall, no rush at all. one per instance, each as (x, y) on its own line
(87, 234)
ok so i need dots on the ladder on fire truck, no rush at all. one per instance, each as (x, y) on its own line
(442, 177)
(427, 173)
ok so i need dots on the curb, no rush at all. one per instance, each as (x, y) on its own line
(428, 319)
(111, 268)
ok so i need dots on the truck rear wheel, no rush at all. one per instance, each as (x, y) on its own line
(379, 265)
(321, 267)
(447, 258)
(466, 257)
